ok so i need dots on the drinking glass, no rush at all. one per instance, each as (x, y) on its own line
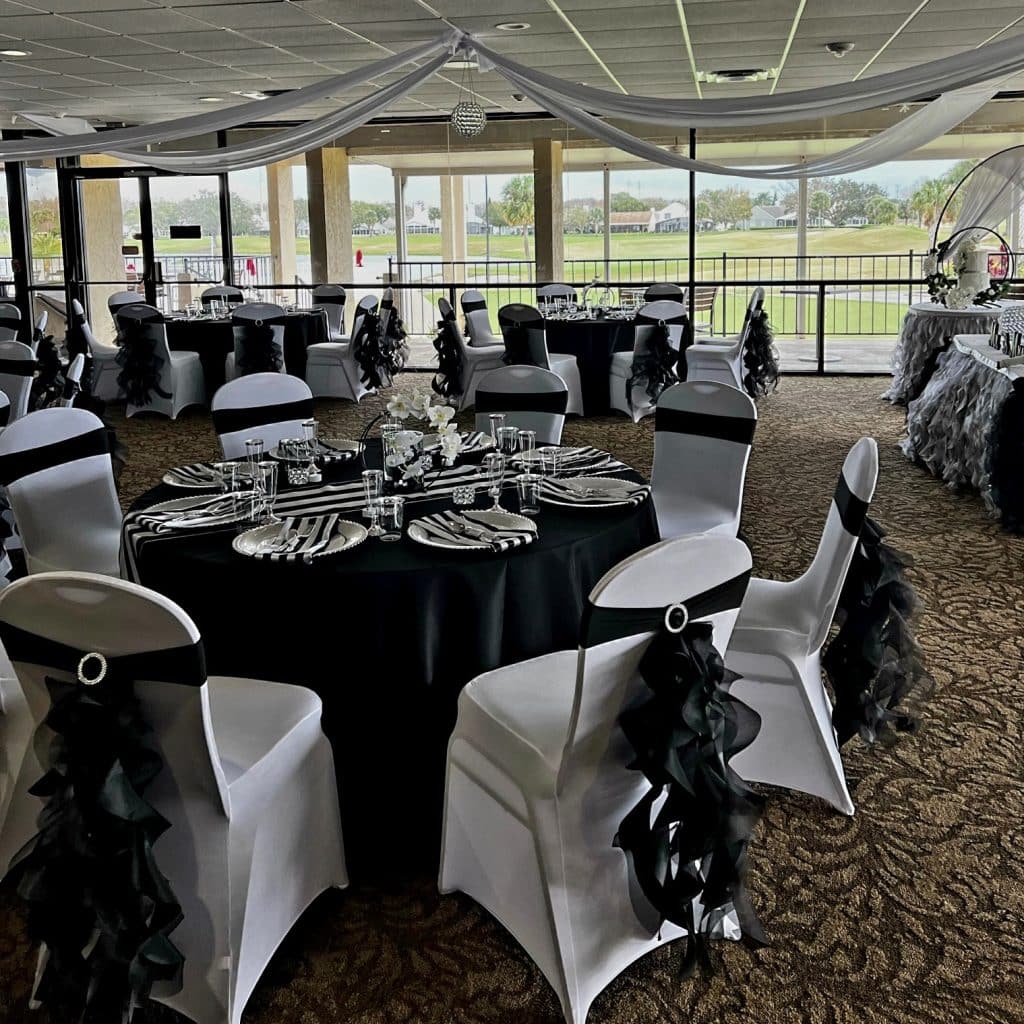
(550, 459)
(375, 511)
(494, 467)
(254, 453)
(507, 440)
(264, 493)
(373, 488)
(310, 432)
(391, 515)
(497, 422)
(228, 473)
(527, 443)
(528, 489)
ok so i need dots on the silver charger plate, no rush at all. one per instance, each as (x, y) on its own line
(346, 535)
(241, 512)
(619, 492)
(171, 480)
(486, 518)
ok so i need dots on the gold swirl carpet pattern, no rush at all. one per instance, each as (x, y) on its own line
(910, 912)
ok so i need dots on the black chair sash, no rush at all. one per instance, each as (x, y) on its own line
(258, 351)
(519, 401)
(448, 382)
(853, 511)
(472, 305)
(231, 421)
(137, 356)
(694, 846)
(328, 300)
(722, 428)
(15, 465)
(5, 413)
(18, 367)
(12, 323)
(90, 872)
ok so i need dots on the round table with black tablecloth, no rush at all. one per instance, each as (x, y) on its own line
(592, 342)
(388, 634)
(213, 339)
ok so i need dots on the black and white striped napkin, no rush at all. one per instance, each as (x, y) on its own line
(588, 461)
(308, 535)
(474, 442)
(459, 529)
(329, 453)
(199, 474)
(217, 510)
(564, 491)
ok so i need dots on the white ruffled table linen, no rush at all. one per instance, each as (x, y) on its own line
(950, 426)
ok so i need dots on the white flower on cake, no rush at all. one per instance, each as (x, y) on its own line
(930, 264)
(399, 408)
(959, 297)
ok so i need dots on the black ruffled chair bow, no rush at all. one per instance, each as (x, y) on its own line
(655, 367)
(448, 381)
(759, 360)
(137, 356)
(874, 661)
(379, 353)
(49, 385)
(259, 351)
(95, 896)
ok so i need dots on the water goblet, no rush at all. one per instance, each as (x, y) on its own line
(508, 438)
(265, 493)
(310, 431)
(254, 453)
(494, 467)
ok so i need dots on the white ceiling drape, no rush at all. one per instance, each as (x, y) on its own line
(991, 193)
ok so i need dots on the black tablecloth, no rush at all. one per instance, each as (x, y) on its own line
(214, 339)
(388, 634)
(592, 342)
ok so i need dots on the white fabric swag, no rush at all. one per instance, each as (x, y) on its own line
(966, 82)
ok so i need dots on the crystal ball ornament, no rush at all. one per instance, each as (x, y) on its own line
(468, 119)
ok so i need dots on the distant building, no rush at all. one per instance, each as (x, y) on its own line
(420, 223)
(856, 222)
(772, 217)
(631, 222)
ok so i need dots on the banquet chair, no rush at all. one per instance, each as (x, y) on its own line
(247, 324)
(476, 362)
(73, 381)
(723, 360)
(331, 299)
(179, 375)
(531, 398)
(537, 780)
(222, 293)
(10, 321)
(55, 466)
(523, 327)
(104, 358)
(331, 367)
(478, 320)
(704, 302)
(647, 321)
(703, 431)
(386, 308)
(556, 291)
(17, 368)
(5, 409)
(39, 331)
(247, 784)
(270, 406)
(119, 299)
(664, 290)
(776, 648)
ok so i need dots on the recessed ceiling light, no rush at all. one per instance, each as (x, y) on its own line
(462, 65)
(253, 94)
(737, 75)
(512, 26)
(210, 99)
(15, 53)
(385, 131)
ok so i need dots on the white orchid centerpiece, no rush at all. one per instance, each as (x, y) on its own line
(439, 416)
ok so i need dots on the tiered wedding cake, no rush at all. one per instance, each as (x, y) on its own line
(973, 277)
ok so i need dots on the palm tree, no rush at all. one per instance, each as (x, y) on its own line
(517, 205)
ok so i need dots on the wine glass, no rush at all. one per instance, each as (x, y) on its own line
(310, 429)
(494, 466)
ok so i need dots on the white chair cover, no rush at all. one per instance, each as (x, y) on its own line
(39, 331)
(247, 319)
(556, 291)
(73, 381)
(476, 362)
(247, 785)
(104, 357)
(17, 369)
(723, 360)
(119, 299)
(222, 293)
(331, 367)
(180, 374)
(331, 299)
(531, 399)
(703, 431)
(55, 465)
(270, 406)
(10, 321)
(517, 317)
(647, 320)
(777, 650)
(664, 290)
(537, 783)
(478, 320)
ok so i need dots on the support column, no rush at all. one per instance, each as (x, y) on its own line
(607, 208)
(281, 213)
(103, 233)
(447, 228)
(330, 215)
(801, 253)
(401, 245)
(548, 211)
(459, 210)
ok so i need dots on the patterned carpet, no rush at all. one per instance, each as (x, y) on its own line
(911, 911)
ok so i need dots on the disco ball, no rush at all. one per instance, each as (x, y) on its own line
(468, 119)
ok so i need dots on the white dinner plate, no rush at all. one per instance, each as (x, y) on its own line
(486, 518)
(346, 535)
(618, 492)
(242, 509)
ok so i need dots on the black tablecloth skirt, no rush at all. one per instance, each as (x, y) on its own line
(214, 339)
(387, 635)
(592, 342)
